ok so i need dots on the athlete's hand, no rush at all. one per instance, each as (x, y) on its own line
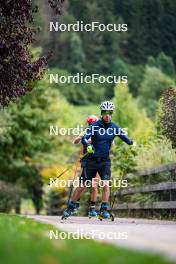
(90, 149)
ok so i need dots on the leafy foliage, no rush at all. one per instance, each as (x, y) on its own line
(166, 115)
(26, 144)
(78, 94)
(56, 5)
(163, 62)
(152, 87)
(158, 151)
(149, 33)
(129, 115)
(17, 70)
(55, 202)
(124, 159)
(10, 196)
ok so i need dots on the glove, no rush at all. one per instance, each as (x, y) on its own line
(90, 149)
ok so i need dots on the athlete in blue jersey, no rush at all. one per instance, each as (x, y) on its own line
(102, 134)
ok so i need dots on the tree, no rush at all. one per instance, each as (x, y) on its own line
(57, 5)
(17, 69)
(56, 200)
(10, 197)
(129, 115)
(77, 55)
(166, 64)
(151, 88)
(72, 55)
(162, 62)
(166, 115)
(119, 67)
(27, 144)
(149, 33)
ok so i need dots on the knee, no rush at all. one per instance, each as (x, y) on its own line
(81, 188)
(95, 188)
(106, 187)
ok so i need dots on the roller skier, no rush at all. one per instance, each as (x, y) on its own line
(102, 134)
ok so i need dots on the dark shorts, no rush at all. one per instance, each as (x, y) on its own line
(91, 167)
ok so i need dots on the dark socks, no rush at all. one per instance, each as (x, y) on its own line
(92, 203)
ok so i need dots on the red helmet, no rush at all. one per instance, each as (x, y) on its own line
(91, 119)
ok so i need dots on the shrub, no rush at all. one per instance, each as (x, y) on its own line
(10, 196)
(166, 115)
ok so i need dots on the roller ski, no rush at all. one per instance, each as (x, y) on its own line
(71, 210)
(105, 213)
(92, 212)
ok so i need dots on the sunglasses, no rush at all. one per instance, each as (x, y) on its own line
(107, 112)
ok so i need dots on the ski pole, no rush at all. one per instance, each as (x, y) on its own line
(76, 169)
(84, 156)
(62, 173)
(71, 187)
(113, 202)
(69, 167)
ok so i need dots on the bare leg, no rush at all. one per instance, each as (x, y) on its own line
(94, 189)
(105, 196)
(77, 193)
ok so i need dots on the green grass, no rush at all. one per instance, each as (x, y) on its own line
(24, 241)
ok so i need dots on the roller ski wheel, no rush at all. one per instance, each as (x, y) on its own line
(104, 212)
(105, 215)
(100, 217)
(64, 217)
(112, 217)
(68, 212)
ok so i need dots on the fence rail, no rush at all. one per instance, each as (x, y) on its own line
(158, 187)
(163, 186)
(154, 205)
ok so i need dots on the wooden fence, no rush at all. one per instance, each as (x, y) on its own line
(169, 185)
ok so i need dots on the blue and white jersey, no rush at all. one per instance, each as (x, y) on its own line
(102, 135)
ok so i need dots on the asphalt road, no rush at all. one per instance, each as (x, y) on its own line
(154, 236)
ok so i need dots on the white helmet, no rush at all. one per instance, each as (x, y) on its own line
(107, 105)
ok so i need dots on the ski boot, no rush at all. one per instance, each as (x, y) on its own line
(104, 212)
(70, 210)
(92, 212)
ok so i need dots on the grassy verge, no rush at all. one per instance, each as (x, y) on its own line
(26, 241)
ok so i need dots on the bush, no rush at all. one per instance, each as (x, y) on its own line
(135, 74)
(158, 151)
(166, 115)
(151, 88)
(129, 115)
(166, 64)
(124, 159)
(56, 201)
(10, 196)
(18, 71)
(162, 62)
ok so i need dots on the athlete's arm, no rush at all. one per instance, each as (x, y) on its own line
(77, 140)
(121, 134)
